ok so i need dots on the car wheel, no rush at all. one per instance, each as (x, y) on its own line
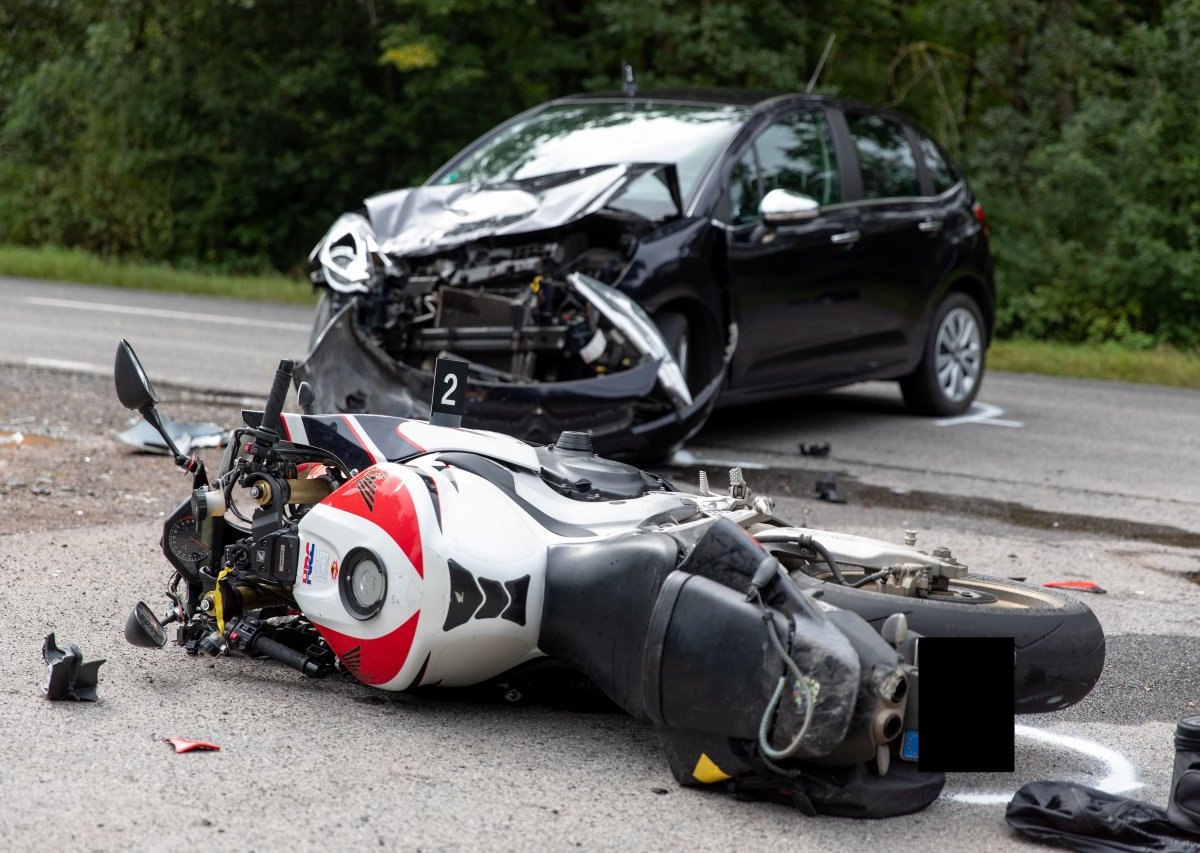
(951, 369)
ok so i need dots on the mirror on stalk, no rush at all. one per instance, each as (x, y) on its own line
(143, 628)
(783, 207)
(133, 386)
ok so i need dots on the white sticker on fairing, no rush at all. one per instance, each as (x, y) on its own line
(317, 566)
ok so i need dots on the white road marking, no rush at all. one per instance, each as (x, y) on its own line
(981, 413)
(64, 364)
(166, 314)
(1121, 777)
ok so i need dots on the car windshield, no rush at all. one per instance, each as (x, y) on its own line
(568, 137)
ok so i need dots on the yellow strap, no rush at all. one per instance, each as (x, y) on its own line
(708, 772)
(218, 605)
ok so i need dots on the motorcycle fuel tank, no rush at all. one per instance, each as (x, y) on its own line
(410, 584)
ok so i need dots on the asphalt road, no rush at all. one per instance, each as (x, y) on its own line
(1098, 482)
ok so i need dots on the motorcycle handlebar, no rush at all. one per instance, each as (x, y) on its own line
(283, 379)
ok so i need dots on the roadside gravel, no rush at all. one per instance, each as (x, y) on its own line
(61, 465)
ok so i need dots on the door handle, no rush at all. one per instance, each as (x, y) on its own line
(930, 226)
(846, 238)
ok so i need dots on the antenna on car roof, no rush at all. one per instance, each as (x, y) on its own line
(812, 83)
(629, 85)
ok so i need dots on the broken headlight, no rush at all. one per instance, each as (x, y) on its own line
(347, 254)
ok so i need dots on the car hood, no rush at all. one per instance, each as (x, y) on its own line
(428, 219)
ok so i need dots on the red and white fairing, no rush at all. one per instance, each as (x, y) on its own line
(406, 644)
(465, 563)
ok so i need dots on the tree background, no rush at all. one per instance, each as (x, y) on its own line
(230, 133)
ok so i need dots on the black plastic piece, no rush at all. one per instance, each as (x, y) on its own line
(67, 676)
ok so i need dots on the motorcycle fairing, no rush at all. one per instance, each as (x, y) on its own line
(452, 620)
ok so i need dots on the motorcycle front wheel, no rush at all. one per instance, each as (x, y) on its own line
(1059, 642)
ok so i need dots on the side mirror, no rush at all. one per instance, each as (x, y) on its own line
(135, 392)
(133, 386)
(784, 207)
(143, 628)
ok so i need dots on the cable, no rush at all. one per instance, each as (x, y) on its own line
(805, 541)
(764, 746)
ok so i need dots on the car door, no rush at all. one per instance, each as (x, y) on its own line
(900, 245)
(789, 282)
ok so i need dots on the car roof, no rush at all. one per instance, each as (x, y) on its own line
(758, 100)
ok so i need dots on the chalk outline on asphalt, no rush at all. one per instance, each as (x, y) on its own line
(1121, 777)
(981, 413)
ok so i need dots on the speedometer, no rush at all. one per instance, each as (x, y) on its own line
(184, 541)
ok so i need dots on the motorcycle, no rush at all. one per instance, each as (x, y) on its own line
(776, 661)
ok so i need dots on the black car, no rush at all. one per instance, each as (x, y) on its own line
(617, 264)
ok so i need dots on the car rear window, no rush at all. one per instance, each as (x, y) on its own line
(889, 169)
(572, 136)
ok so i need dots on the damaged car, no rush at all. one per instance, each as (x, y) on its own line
(617, 265)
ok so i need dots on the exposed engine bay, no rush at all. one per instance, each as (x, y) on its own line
(509, 309)
(518, 281)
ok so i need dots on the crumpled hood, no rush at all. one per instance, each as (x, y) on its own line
(427, 219)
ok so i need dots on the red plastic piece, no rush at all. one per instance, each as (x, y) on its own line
(184, 745)
(1079, 586)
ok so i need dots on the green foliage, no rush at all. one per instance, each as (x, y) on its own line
(230, 133)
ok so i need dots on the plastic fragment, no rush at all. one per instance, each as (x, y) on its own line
(827, 490)
(1078, 586)
(185, 745)
(67, 676)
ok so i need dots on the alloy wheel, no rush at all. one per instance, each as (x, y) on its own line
(959, 355)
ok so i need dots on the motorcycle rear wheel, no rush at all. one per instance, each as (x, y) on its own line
(1059, 642)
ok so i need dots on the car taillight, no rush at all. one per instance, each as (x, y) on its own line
(981, 218)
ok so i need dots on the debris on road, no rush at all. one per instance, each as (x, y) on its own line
(185, 745)
(68, 677)
(186, 436)
(1078, 586)
(827, 490)
(814, 449)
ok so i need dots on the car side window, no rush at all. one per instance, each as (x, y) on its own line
(796, 153)
(889, 169)
(745, 191)
(942, 173)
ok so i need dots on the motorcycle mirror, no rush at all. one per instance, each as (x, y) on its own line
(133, 385)
(142, 628)
(135, 392)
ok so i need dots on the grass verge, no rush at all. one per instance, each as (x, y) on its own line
(1161, 366)
(83, 268)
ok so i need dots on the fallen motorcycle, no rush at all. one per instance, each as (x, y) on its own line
(778, 661)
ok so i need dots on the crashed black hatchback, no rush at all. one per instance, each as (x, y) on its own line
(617, 264)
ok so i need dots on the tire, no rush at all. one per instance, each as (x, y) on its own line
(952, 364)
(1059, 642)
